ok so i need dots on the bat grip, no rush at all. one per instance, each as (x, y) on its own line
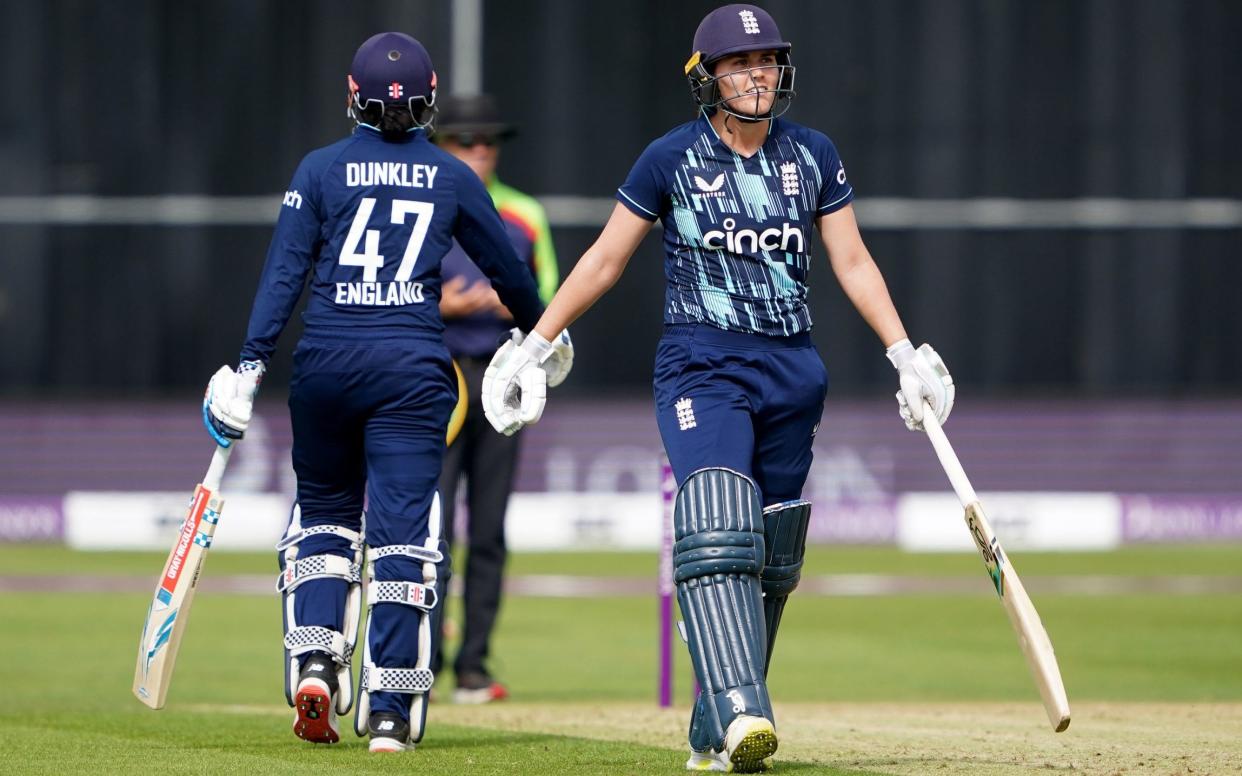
(215, 472)
(948, 459)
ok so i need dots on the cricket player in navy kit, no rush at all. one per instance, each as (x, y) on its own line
(739, 388)
(368, 218)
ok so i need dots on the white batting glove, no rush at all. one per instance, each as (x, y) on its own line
(229, 401)
(923, 377)
(514, 385)
(558, 362)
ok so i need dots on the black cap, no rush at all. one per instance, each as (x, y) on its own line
(475, 114)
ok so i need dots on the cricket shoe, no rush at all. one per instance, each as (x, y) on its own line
(477, 688)
(749, 742)
(315, 701)
(389, 732)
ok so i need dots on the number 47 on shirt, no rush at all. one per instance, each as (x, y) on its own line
(370, 259)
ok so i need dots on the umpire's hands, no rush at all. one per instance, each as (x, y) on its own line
(923, 377)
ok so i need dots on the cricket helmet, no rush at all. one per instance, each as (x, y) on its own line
(732, 29)
(392, 69)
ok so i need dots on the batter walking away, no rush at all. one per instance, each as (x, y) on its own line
(368, 219)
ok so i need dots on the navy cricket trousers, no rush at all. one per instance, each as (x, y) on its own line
(746, 402)
(369, 421)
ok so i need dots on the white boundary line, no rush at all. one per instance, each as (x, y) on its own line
(591, 212)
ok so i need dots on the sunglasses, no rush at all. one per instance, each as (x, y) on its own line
(471, 139)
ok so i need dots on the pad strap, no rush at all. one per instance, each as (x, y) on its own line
(315, 638)
(403, 680)
(408, 550)
(413, 594)
(317, 567)
(353, 537)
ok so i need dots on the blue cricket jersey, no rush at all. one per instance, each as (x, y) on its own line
(476, 335)
(737, 231)
(370, 220)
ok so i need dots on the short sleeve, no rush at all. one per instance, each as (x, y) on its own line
(835, 191)
(643, 190)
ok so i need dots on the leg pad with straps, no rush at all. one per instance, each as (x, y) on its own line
(415, 680)
(717, 561)
(296, 570)
(784, 529)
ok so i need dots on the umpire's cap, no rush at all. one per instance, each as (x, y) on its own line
(472, 114)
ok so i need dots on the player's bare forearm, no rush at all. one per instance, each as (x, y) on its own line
(859, 276)
(865, 287)
(596, 272)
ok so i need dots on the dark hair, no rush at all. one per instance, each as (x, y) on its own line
(393, 119)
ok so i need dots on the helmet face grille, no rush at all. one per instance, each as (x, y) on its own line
(705, 89)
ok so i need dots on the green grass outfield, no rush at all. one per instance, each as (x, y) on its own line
(887, 669)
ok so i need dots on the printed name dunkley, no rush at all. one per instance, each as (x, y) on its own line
(418, 176)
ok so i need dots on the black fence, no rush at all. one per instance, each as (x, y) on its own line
(942, 99)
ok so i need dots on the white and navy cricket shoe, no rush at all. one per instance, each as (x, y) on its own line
(315, 701)
(749, 742)
(389, 732)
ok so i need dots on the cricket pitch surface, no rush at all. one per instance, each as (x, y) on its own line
(917, 738)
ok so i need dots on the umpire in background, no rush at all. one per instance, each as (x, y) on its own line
(475, 321)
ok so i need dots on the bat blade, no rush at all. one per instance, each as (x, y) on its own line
(169, 611)
(1032, 637)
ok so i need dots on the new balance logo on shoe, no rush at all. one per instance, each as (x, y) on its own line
(315, 667)
(385, 725)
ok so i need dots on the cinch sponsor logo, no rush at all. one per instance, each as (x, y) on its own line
(189, 529)
(752, 241)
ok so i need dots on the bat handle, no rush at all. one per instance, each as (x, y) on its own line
(948, 458)
(215, 472)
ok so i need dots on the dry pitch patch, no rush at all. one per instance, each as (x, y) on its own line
(917, 738)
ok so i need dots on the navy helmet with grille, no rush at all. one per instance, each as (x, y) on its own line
(392, 69)
(733, 29)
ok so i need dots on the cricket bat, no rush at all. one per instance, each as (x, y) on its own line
(1036, 646)
(170, 606)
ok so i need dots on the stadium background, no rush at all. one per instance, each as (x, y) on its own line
(926, 101)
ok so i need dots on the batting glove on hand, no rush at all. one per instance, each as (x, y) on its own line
(514, 385)
(923, 377)
(229, 401)
(558, 362)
